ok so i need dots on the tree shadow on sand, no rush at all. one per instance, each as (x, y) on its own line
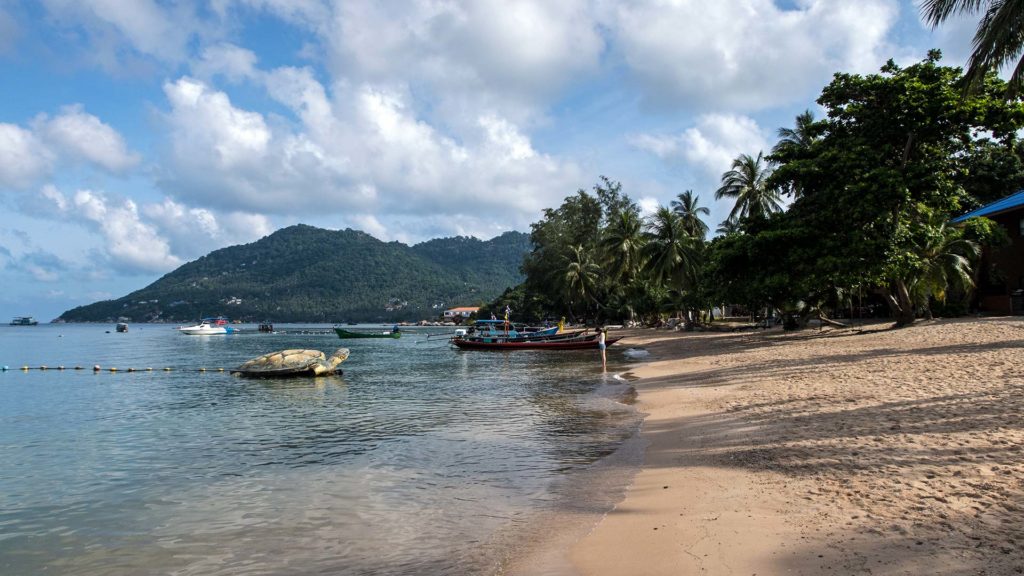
(937, 472)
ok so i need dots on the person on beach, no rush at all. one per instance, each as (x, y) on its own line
(602, 335)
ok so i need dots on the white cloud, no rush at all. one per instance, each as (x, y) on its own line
(83, 136)
(23, 157)
(147, 27)
(711, 145)
(129, 241)
(747, 54)
(360, 150)
(194, 231)
(232, 62)
(478, 56)
(28, 155)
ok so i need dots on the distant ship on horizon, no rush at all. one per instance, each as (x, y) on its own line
(24, 321)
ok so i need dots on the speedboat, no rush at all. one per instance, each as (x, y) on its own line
(207, 327)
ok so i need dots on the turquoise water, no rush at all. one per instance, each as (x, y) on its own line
(419, 459)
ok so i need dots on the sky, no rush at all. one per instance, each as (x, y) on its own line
(138, 135)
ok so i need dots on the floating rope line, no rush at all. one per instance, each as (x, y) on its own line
(96, 369)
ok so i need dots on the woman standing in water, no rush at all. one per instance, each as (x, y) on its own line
(602, 334)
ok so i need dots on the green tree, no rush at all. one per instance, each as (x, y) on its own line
(581, 278)
(946, 260)
(892, 142)
(670, 252)
(622, 245)
(794, 145)
(728, 226)
(747, 183)
(687, 206)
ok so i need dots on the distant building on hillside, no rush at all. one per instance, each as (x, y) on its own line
(1003, 293)
(460, 312)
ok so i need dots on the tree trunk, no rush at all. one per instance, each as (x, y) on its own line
(905, 304)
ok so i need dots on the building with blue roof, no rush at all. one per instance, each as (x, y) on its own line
(1001, 289)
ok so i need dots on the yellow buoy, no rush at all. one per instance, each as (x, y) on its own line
(112, 369)
(167, 369)
(202, 369)
(149, 369)
(220, 369)
(24, 368)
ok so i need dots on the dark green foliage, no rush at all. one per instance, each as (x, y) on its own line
(307, 274)
(897, 150)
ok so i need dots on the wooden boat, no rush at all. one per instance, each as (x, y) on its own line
(502, 329)
(556, 342)
(342, 333)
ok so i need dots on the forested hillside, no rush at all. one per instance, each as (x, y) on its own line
(308, 274)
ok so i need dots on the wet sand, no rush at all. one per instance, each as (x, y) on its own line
(844, 451)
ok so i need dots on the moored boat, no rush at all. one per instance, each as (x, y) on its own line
(343, 333)
(208, 327)
(121, 327)
(555, 342)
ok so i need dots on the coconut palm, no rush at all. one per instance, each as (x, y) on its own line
(947, 260)
(799, 137)
(687, 208)
(998, 40)
(581, 276)
(622, 244)
(728, 226)
(670, 253)
(747, 183)
(795, 143)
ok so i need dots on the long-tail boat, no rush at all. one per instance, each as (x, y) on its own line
(342, 333)
(573, 341)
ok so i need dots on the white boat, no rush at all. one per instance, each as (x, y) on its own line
(207, 327)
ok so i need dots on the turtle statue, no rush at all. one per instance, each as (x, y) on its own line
(293, 363)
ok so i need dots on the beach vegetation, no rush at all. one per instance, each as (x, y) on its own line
(857, 202)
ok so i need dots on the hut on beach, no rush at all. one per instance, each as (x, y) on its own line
(1003, 293)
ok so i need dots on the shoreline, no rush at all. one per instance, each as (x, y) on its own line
(843, 451)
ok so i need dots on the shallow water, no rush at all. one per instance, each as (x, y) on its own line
(419, 459)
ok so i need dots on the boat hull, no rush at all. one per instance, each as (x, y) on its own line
(205, 330)
(588, 343)
(342, 333)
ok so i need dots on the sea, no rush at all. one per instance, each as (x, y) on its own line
(417, 459)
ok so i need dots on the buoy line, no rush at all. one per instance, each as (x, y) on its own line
(110, 369)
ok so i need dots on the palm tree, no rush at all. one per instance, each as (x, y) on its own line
(670, 252)
(747, 183)
(799, 137)
(998, 40)
(728, 226)
(795, 143)
(622, 245)
(687, 209)
(581, 277)
(947, 260)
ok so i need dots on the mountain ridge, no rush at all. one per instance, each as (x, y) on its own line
(302, 273)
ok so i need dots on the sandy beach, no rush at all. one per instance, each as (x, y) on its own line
(843, 451)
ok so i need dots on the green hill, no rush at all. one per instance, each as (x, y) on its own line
(307, 274)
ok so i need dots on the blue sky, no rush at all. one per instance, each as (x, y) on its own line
(137, 135)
